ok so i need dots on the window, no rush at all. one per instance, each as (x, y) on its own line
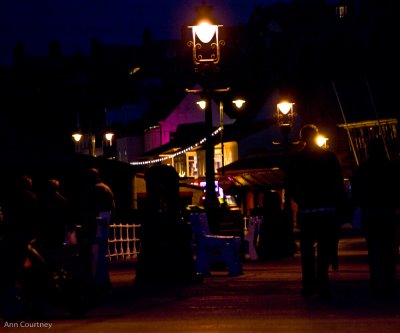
(341, 11)
(192, 165)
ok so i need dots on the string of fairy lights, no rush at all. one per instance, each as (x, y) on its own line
(180, 152)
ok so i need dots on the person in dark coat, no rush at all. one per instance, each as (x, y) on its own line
(276, 239)
(21, 217)
(315, 184)
(55, 216)
(95, 209)
(375, 189)
(19, 227)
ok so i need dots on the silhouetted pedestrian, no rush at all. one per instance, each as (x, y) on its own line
(315, 184)
(21, 216)
(55, 216)
(276, 238)
(21, 211)
(95, 209)
(165, 254)
(19, 228)
(375, 189)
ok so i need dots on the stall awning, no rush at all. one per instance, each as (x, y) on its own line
(260, 178)
(257, 171)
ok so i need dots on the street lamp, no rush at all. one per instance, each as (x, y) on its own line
(285, 121)
(238, 103)
(109, 136)
(322, 141)
(285, 117)
(205, 43)
(206, 55)
(77, 136)
(85, 141)
(109, 145)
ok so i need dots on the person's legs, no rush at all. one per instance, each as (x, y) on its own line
(307, 255)
(326, 239)
(99, 256)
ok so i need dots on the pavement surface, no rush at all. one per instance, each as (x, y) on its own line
(266, 298)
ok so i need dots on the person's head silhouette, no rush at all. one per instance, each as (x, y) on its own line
(308, 135)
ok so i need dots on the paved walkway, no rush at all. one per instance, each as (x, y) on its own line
(264, 299)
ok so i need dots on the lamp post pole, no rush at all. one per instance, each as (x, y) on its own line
(285, 121)
(203, 103)
(206, 104)
(205, 44)
(92, 141)
(221, 128)
(211, 197)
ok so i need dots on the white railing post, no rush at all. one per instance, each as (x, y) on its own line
(121, 246)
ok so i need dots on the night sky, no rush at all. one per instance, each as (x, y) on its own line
(76, 22)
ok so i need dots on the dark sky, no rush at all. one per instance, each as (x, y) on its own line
(76, 22)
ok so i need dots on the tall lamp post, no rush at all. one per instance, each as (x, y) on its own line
(285, 117)
(87, 141)
(109, 148)
(77, 136)
(322, 141)
(238, 104)
(205, 45)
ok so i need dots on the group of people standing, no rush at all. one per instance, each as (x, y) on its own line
(315, 185)
(46, 215)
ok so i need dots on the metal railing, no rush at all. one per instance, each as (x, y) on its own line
(123, 242)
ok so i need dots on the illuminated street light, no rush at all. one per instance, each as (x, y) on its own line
(108, 145)
(322, 141)
(202, 104)
(109, 136)
(238, 104)
(206, 55)
(285, 121)
(205, 43)
(285, 114)
(77, 136)
(285, 117)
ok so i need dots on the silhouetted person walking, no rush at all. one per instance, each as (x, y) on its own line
(276, 238)
(165, 254)
(95, 208)
(375, 189)
(315, 184)
(19, 228)
(55, 216)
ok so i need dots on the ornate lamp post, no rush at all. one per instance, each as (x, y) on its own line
(84, 143)
(109, 136)
(77, 136)
(285, 121)
(206, 55)
(238, 104)
(285, 117)
(205, 44)
(322, 141)
(109, 145)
